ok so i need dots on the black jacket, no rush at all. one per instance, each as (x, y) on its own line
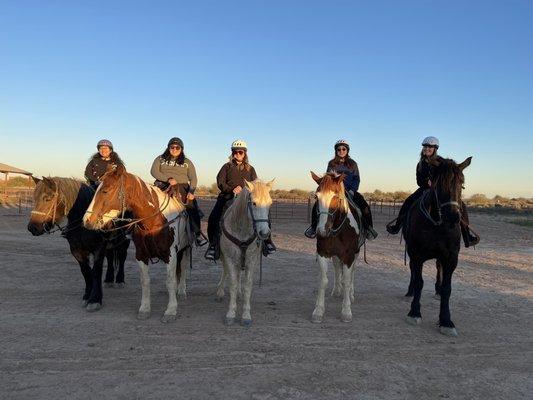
(98, 167)
(231, 175)
(424, 173)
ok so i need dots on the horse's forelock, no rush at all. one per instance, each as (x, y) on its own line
(261, 193)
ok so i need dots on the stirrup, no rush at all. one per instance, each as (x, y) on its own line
(310, 232)
(393, 227)
(201, 240)
(210, 253)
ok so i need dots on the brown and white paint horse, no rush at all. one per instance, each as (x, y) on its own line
(159, 229)
(244, 224)
(339, 240)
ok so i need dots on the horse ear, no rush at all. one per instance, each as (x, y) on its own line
(249, 185)
(465, 163)
(49, 182)
(35, 179)
(340, 177)
(271, 183)
(316, 178)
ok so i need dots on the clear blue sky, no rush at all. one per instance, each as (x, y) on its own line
(289, 77)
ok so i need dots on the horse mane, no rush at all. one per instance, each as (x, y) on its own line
(68, 189)
(261, 193)
(449, 176)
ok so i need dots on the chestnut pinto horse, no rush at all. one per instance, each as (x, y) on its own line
(244, 225)
(338, 238)
(57, 199)
(160, 229)
(432, 230)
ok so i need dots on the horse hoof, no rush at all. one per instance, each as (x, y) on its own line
(448, 331)
(84, 303)
(229, 321)
(92, 307)
(109, 284)
(316, 319)
(409, 294)
(219, 299)
(346, 318)
(413, 320)
(246, 323)
(142, 315)
(121, 285)
(166, 318)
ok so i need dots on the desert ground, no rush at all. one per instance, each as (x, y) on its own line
(52, 348)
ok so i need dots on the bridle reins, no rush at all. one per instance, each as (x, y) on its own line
(439, 205)
(334, 231)
(52, 210)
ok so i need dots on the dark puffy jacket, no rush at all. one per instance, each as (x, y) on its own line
(232, 175)
(424, 172)
(98, 167)
(351, 179)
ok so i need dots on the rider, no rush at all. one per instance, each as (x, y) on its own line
(342, 163)
(176, 174)
(424, 172)
(99, 162)
(230, 181)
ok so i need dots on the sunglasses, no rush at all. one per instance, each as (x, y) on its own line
(239, 152)
(174, 147)
(342, 149)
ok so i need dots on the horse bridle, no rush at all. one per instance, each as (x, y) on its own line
(255, 221)
(53, 210)
(440, 206)
(333, 232)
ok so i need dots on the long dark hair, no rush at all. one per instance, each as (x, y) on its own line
(167, 157)
(114, 157)
(245, 162)
(348, 161)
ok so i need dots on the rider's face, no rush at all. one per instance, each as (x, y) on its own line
(428, 151)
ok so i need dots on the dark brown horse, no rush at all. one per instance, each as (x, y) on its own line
(339, 239)
(57, 199)
(432, 231)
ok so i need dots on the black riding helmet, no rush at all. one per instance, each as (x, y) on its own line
(175, 140)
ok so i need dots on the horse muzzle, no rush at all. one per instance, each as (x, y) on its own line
(37, 229)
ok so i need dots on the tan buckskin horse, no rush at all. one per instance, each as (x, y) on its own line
(244, 225)
(160, 230)
(339, 240)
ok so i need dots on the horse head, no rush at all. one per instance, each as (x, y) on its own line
(259, 204)
(110, 200)
(49, 207)
(448, 181)
(332, 202)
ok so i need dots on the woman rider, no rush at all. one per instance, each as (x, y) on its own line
(342, 163)
(99, 162)
(176, 174)
(230, 181)
(424, 171)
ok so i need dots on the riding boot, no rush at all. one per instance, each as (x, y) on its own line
(371, 233)
(311, 231)
(470, 237)
(193, 212)
(213, 251)
(395, 225)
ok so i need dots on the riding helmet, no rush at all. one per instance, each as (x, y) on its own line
(431, 141)
(104, 142)
(175, 140)
(239, 144)
(342, 142)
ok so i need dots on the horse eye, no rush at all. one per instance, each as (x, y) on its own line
(254, 204)
(104, 191)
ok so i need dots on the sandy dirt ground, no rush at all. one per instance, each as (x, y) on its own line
(52, 348)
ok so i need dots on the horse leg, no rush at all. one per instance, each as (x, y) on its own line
(233, 278)
(247, 294)
(438, 279)
(337, 278)
(446, 325)
(95, 299)
(110, 273)
(318, 312)
(122, 254)
(82, 257)
(346, 312)
(181, 271)
(411, 288)
(414, 317)
(145, 308)
(172, 286)
(220, 286)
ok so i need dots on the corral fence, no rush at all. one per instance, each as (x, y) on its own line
(20, 200)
